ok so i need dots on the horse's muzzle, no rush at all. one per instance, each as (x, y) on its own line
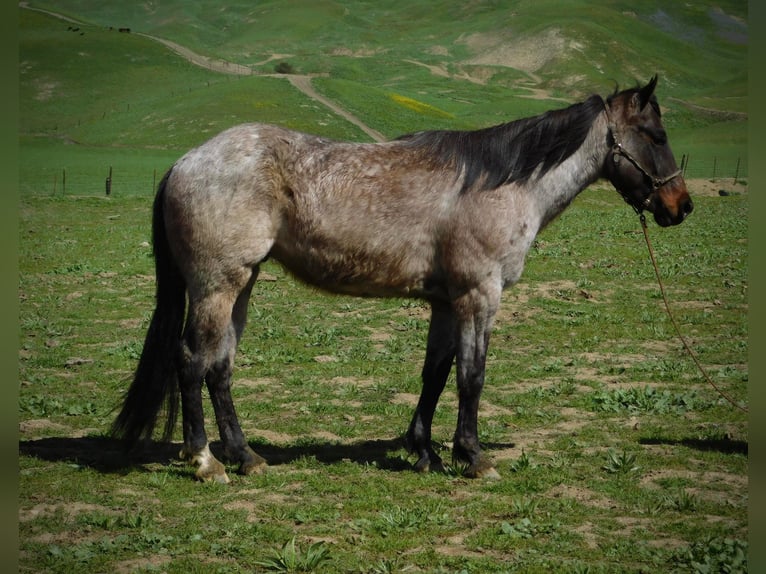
(672, 204)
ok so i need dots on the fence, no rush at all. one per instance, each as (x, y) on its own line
(713, 168)
(120, 180)
(110, 180)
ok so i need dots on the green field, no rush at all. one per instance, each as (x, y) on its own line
(615, 454)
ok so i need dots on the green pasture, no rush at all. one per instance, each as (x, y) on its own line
(615, 454)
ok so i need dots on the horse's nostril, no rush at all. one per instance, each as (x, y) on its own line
(687, 207)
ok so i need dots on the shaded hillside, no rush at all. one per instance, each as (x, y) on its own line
(545, 44)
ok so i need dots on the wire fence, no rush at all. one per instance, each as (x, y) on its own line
(713, 167)
(121, 181)
(109, 180)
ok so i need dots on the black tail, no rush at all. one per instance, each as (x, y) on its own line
(156, 380)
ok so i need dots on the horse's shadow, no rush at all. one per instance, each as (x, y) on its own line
(108, 455)
(722, 445)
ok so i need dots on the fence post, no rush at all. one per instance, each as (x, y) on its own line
(715, 164)
(109, 182)
(736, 171)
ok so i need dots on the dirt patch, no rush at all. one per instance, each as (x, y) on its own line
(440, 70)
(528, 54)
(728, 480)
(713, 187)
(150, 564)
(70, 510)
(536, 440)
(39, 427)
(274, 437)
(407, 399)
(581, 495)
(361, 53)
(46, 90)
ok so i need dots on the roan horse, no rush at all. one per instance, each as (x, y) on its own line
(445, 216)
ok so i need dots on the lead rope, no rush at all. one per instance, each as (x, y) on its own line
(675, 324)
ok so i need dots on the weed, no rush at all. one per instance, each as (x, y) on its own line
(714, 555)
(291, 559)
(622, 463)
(45, 406)
(385, 566)
(526, 528)
(645, 399)
(682, 501)
(524, 507)
(522, 463)
(400, 519)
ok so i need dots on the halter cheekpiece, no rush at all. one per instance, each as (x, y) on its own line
(619, 150)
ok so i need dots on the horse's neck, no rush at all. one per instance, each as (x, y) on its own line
(555, 190)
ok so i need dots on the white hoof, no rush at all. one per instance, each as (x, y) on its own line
(209, 468)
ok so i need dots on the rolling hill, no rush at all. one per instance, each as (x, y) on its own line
(398, 67)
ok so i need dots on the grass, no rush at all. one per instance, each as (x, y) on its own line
(615, 455)
(612, 449)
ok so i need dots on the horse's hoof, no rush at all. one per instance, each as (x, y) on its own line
(482, 469)
(488, 473)
(220, 477)
(251, 463)
(429, 463)
(209, 468)
(423, 465)
(252, 467)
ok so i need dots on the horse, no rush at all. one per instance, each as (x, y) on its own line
(444, 216)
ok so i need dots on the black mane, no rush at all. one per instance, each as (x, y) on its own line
(511, 152)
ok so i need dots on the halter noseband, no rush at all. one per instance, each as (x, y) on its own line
(618, 150)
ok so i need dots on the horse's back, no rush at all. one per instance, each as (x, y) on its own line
(356, 218)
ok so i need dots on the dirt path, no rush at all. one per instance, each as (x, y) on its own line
(212, 64)
(302, 83)
(49, 13)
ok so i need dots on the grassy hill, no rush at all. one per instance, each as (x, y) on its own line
(398, 66)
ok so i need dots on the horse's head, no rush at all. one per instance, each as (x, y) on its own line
(640, 164)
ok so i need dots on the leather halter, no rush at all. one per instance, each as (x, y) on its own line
(619, 150)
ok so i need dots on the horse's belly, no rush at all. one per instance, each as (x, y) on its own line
(358, 271)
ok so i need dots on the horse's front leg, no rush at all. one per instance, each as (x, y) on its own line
(440, 354)
(476, 311)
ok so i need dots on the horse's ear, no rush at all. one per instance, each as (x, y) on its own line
(642, 97)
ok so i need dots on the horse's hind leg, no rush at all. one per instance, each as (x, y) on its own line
(440, 354)
(207, 353)
(199, 345)
(219, 385)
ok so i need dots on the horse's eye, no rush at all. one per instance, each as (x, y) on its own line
(657, 135)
